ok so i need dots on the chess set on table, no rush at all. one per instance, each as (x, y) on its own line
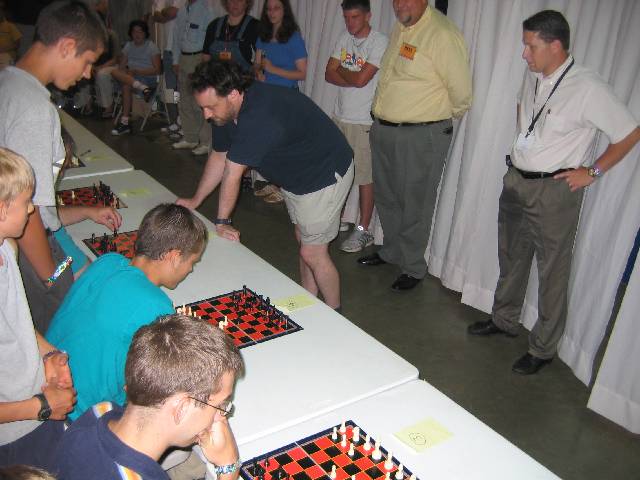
(90, 196)
(119, 242)
(344, 452)
(248, 318)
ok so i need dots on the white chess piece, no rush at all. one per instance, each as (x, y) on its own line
(387, 476)
(221, 325)
(356, 434)
(343, 442)
(377, 453)
(399, 473)
(367, 443)
(388, 464)
(412, 476)
(343, 427)
(333, 473)
(334, 434)
(351, 451)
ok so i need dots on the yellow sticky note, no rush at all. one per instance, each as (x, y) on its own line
(423, 435)
(136, 192)
(295, 302)
(91, 158)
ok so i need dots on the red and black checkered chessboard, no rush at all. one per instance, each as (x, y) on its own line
(251, 318)
(92, 196)
(121, 243)
(315, 456)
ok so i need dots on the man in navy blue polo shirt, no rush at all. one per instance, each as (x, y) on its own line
(290, 141)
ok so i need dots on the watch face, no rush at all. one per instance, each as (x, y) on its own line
(44, 413)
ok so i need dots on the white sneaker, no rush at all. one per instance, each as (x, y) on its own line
(184, 145)
(201, 150)
(359, 239)
(173, 128)
(345, 226)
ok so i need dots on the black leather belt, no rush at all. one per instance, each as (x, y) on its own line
(538, 175)
(192, 53)
(406, 124)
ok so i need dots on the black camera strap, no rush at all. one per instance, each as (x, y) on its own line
(535, 118)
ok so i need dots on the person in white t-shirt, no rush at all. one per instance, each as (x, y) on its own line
(353, 67)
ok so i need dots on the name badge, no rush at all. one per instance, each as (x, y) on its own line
(523, 142)
(225, 55)
(408, 51)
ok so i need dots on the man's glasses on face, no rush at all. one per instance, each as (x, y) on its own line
(225, 408)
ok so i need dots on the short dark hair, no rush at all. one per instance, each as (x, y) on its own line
(141, 24)
(287, 29)
(550, 25)
(221, 75)
(178, 354)
(363, 5)
(71, 19)
(169, 227)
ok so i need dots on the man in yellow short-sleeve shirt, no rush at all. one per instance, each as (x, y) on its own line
(424, 82)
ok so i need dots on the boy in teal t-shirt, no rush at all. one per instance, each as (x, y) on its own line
(116, 296)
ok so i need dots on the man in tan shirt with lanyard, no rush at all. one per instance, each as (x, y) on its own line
(562, 108)
(424, 82)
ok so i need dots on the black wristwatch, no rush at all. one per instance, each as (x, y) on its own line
(45, 409)
(222, 221)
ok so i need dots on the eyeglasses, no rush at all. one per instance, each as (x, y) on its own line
(225, 408)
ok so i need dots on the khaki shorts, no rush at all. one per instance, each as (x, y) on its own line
(317, 214)
(358, 137)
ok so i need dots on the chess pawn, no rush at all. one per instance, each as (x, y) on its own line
(333, 473)
(351, 451)
(377, 453)
(221, 324)
(367, 443)
(356, 434)
(412, 476)
(399, 473)
(388, 464)
(334, 434)
(343, 442)
(73, 195)
(387, 476)
(343, 427)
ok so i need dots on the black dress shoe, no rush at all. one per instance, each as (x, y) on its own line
(487, 328)
(372, 260)
(528, 364)
(404, 282)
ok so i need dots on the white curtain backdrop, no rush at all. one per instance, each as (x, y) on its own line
(463, 248)
(463, 251)
(616, 392)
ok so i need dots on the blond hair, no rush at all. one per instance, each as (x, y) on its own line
(16, 175)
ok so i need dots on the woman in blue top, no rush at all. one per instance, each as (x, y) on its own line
(281, 57)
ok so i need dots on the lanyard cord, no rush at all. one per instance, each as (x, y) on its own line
(535, 119)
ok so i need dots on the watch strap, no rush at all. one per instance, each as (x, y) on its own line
(45, 408)
(222, 221)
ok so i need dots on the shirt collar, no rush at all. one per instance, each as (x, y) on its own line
(553, 78)
(426, 16)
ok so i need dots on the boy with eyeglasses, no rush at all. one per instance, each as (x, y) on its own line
(180, 374)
